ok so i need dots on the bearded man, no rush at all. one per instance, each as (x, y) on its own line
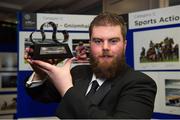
(120, 92)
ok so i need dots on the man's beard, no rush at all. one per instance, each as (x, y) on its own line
(107, 70)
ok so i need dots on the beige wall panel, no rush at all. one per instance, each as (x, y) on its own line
(126, 6)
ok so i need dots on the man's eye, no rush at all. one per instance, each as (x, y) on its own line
(97, 41)
(114, 41)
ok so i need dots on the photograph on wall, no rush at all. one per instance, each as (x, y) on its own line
(8, 81)
(24, 43)
(157, 49)
(8, 103)
(7, 116)
(168, 91)
(172, 90)
(8, 61)
(81, 50)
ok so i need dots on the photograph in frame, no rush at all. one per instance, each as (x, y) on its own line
(8, 81)
(172, 90)
(81, 50)
(157, 49)
(8, 103)
(8, 61)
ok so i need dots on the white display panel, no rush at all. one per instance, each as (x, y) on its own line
(154, 17)
(65, 21)
(168, 92)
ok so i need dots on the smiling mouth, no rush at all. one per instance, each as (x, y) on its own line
(106, 57)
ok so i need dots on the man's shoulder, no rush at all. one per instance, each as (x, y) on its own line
(132, 74)
(81, 67)
(81, 70)
(138, 76)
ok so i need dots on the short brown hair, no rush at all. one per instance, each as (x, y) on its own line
(106, 19)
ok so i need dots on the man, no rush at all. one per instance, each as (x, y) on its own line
(122, 92)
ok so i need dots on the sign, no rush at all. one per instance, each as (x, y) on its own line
(65, 22)
(155, 17)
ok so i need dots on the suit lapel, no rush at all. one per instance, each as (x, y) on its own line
(103, 90)
(83, 85)
(107, 85)
(84, 78)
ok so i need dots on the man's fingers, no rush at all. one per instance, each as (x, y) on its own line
(29, 61)
(68, 62)
(42, 69)
(42, 65)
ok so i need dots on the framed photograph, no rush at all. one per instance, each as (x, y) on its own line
(7, 116)
(172, 92)
(8, 81)
(8, 103)
(8, 61)
(157, 49)
(81, 50)
(168, 92)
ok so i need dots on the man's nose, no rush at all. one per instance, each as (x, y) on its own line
(106, 45)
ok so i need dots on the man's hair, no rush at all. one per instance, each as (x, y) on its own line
(108, 19)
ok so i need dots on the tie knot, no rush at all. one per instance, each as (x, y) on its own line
(94, 86)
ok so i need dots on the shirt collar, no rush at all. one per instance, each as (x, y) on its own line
(100, 81)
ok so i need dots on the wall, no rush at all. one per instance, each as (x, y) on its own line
(126, 6)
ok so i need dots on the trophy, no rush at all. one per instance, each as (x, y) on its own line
(44, 49)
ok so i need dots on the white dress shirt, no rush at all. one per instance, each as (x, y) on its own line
(100, 82)
(34, 83)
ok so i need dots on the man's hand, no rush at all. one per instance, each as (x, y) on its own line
(60, 76)
(39, 74)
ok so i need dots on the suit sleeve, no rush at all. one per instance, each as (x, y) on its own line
(135, 100)
(45, 93)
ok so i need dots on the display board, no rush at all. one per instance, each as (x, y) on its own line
(8, 71)
(154, 35)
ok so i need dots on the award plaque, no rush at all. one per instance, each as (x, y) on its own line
(50, 48)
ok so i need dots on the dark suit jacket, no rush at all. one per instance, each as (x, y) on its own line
(129, 95)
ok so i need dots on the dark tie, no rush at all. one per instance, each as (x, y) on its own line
(94, 86)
